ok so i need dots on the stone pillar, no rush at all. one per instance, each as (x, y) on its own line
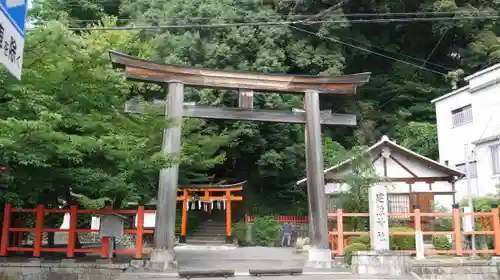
(162, 257)
(379, 218)
(319, 253)
(380, 260)
(308, 174)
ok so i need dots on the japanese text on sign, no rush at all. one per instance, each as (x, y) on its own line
(379, 222)
(11, 45)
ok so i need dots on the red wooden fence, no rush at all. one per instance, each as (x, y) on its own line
(70, 250)
(283, 219)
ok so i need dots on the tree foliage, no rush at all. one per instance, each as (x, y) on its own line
(63, 128)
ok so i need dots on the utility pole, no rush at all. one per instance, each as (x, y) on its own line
(469, 191)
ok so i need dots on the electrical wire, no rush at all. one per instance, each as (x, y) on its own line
(337, 40)
(309, 16)
(418, 70)
(266, 23)
(482, 134)
(399, 54)
(332, 8)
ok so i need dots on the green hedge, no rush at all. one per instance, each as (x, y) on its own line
(240, 233)
(350, 249)
(359, 239)
(402, 242)
(395, 242)
(264, 231)
(441, 242)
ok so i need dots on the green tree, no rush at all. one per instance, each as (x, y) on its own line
(64, 129)
(395, 102)
(420, 137)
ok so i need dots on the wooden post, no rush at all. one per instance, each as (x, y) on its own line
(496, 228)
(245, 98)
(37, 246)
(182, 238)
(7, 216)
(104, 247)
(340, 232)
(457, 229)
(20, 235)
(418, 218)
(72, 231)
(105, 240)
(229, 236)
(139, 234)
(419, 235)
(333, 245)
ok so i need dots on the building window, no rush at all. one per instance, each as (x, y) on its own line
(398, 203)
(495, 158)
(461, 116)
(472, 168)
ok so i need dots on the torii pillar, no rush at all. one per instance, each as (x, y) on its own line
(319, 253)
(162, 257)
(176, 76)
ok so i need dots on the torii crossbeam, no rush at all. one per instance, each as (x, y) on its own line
(246, 83)
(296, 116)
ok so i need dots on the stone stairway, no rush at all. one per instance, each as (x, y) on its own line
(210, 232)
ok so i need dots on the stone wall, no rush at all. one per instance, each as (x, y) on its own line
(457, 269)
(443, 268)
(36, 270)
(395, 263)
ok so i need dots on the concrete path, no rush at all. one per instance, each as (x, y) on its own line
(298, 277)
(240, 259)
(245, 258)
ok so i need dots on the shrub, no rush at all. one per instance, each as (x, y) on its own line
(265, 230)
(402, 242)
(441, 242)
(350, 249)
(240, 233)
(359, 239)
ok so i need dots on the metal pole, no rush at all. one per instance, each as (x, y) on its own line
(469, 191)
(316, 179)
(164, 238)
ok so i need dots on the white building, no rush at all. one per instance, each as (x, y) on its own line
(471, 115)
(411, 179)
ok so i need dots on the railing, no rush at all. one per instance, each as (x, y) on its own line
(338, 238)
(70, 250)
(283, 219)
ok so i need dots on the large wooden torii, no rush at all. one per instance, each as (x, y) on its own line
(175, 77)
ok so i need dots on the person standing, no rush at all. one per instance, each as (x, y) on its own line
(287, 234)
